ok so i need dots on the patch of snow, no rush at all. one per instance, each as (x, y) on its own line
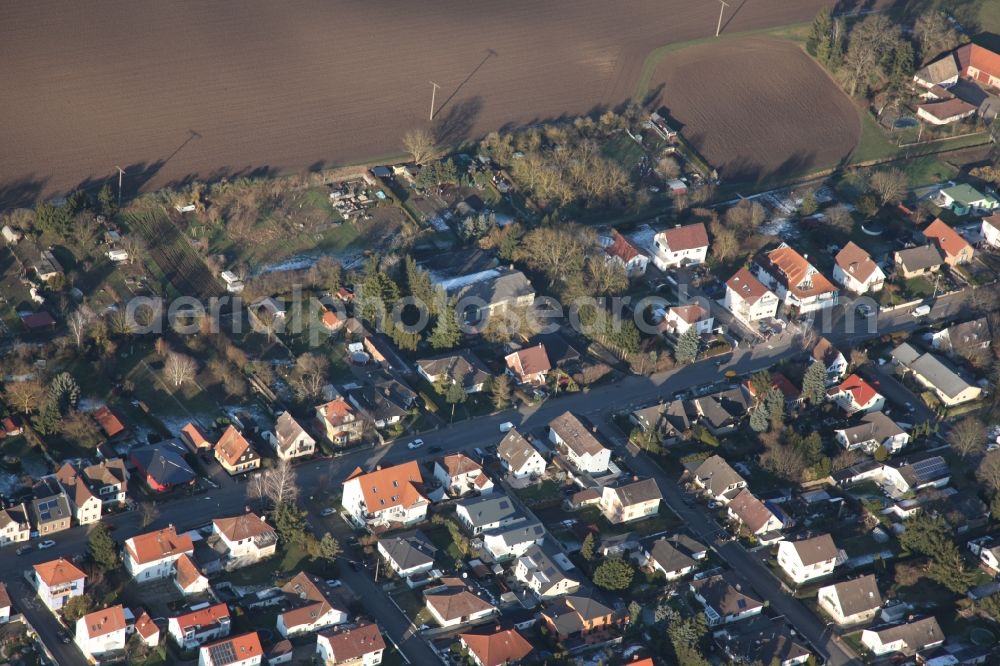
(451, 284)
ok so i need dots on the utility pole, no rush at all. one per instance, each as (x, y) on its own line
(121, 174)
(722, 8)
(434, 90)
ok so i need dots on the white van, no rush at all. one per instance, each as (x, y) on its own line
(506, 426)
(921, 311)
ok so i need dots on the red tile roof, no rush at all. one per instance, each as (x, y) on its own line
(58, 572)
(232, 445)
(145, 626)
(750, 510)
(104, 621)
(390, 486)
(497, 648)
(795, 272)
(195, 436)
(529, 361)
(244, 526)
(108, 421)
(856, 262)
(622, 248)
(691, 313)
(688, 237)
(205, 617)
(459, 463)
(746, 286)
(336, 412)
(354, 643)
(980, 57)
(862, 391)
(244, 647)
(947, 239)
(946, 109)
(154, 546)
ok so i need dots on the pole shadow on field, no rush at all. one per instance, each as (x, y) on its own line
(732, 15)
(489, 54)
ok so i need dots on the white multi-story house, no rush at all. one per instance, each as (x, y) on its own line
(57, 581)
(361, 645)
(851, 601)
(407, 553)
(808, 559)
(385, 496)
(519, 457)
(513, 540)
(990, 231)
(197, 627)
(748, 299)
(188, 578)
(291, 440)
(108, 480)
(14, 525)
(855, 270)
(832, 359)
(875, 429)
(624, 252)
(724, 599)
(486, 513)
(246, 538)
(855, 395)
(152, 555)
(541, 574)
(101, 634)
(680, 246)
(795, 280)
(680, 318)
(311, 609)
(632, 500)
(717, 479)
(665, 557)
(242, 650)
(461, 475)
(86, 506)
(579, 444)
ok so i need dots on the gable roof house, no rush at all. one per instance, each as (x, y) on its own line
(101, 635)
(797, 282)
(717, 479)
(499, 288)
(578, 615)
(748, 299)
(724, 599)
(235, 453)
(242, 650)
(50, 507)
(147, 630)
(452, 604)
(152, 555)
(195, 438)
(15, 525)
(542, 574)
(162, 465)
(907, 638)
(108, 480)
(56, 582)
(461, 367)
(360, 645)
(339, 422)
(519, 457)
(989, 231)
(579, 444)
(916, 261)
(197, 627)
(764, 641)
(244, 539)
(188, 578)
(109, 422)
(722, 412)
(936, 374)
(964, 337)
(681, 318)
(513, 540)
(529, 365)
(85, 505)
(855, 270)
(808, 559)
(832, 359)
(664, 557)
(311, 607)
(955, 249)
(385, 403)
(291, 440)
(625, 253)
(496, 648)
(680, 246)
(854, 395)
(851, 601)
(754, 515)
(964, 199)
(875, 429)
(945, 111)
(668, 419)
(489, 512)
(386, 496)
(461, 475)
(407, 553)
(632, 500)
(941, 72)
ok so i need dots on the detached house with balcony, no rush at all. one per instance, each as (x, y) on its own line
(56, 582)
(461, 475)
(152, 555)
(752, 514)
(519, 458)
(748, 299)
(242, 650)
(15, 526)
(855, 395)
(716, 479)
(360, 645)
(85, 505)
(680, 246)
(340, 422)
(540, 573)
(796, 282)
(291, 440)
(807, 559)
(235, 453)
(198, 627)
(873, 430)
(101, 635)
(108, 480)
(579, 444)
(245, 539)
(855, 270)
(483, 514)
(632, 500)
(461, 367)
(851, 601)
(311, 607)
(387, 496)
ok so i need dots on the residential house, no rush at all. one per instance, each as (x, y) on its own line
(244, 539)
(577, 615)
(916, 261)
(631, 500)
(339, 422)
(906, 638)
(954, 249)
(15, 525)
(724, 599)
(519, 458)
(717, 479)
(874, 429)
(680, 246)
(461, 367)
(50, 508)
(188, 578)
(663, 557)
(989, 232)
(242, 650)
(927, 471)
(513, 540)
(936, 374)
(101, 635)
(485, 513)
(832, 359)
(235, 453)
(748, 299)
(854, 395)
(108, 480)
(384, 404)
(754, 515)
(109, 422)
(808, 559)
(461, 475)
(162, 466)
(407, 553)
(963, 199)
(945, 111)
(764, 641)
(625, 253)
(291, 440)
(197, 627)
(4, 604)
(452, 604)
(152, 555)
(963, 338)
(667, 419)
(851, 601)
(311, 607)
(147, 630)
(529, 365)
(386, 496)
(57, 581)
(539, 571)
(942, 72)
(579, 444)
(688, 546)
(84, 504)
(855, 270)
(559, 350)
(722, 412)
(681, 318)
(488, 292)
(780, 383)
(795, 280)
(360, 645)
(498, 647)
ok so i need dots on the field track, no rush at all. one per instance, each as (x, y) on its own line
(181, 89)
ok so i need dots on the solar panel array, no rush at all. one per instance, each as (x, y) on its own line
(931, 468)
(222, 653)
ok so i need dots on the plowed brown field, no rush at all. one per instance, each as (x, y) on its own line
(757, 108)
(177, 89)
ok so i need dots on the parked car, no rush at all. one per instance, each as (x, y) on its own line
(48, 543)
(333, 582)
(921, 311)
(22, 550)
(506, 426)
(328, 511)
(415, 444)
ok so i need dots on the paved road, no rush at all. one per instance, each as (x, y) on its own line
(598, 404)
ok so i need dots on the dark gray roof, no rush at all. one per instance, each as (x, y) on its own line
(716, 474)
(557, 348)
(687, 545)
(939, 71)
(873, 426)
(567, 611)
(919, 258)
(923, 470)
(966, 334)
(941, 374)
(723, 408)
(164, 462)
(858, 595)
(50, 502)
(668, 557)
(637, 491)
(764, 641)
(462, 367)
(572, 430)
(488, 509)
(542, 567)
(378, 405)
(668, 417)
(916, 635)
(520, 532)
(408, 549)
(725, 594)
(817, 549)
(515, 449)
(496, 286)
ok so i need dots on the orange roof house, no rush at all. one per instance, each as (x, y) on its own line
(242, 649)
(152, 555)
(339, 421)
(58, 572)
(529, 365)
(497, 648)
(108, 422)
(350, 645)
(385, 495)
(854, 394)
(795, 274)
(235, 453)
(195, 438)
(628, 255)
(311, 608)
(955, 249)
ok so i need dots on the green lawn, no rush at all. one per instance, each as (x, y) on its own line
(547, 489)
(289, 561)
(918, 287)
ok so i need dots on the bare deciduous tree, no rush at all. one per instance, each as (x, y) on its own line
(967, 436)
(725, 244)
(419, 144)
(668, 167)
(934, 34)
(889, 184)
(149, 513)
(77, 323)
(746, 217)
(25, 396)
(179, 369)
(989, 470)
(840, 218)
(868, 44)
(135, 246)
(279, 483)
(309, 375)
